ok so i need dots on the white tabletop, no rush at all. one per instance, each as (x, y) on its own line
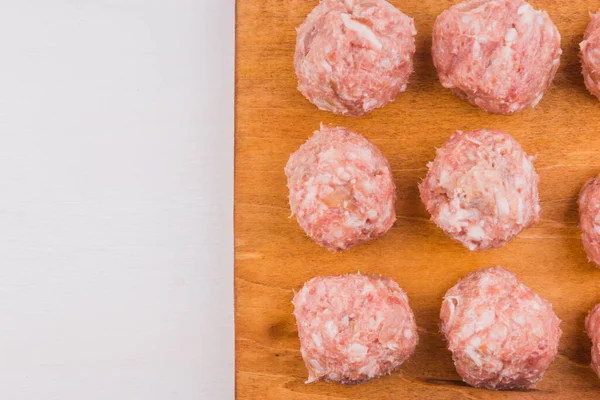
(116, 169)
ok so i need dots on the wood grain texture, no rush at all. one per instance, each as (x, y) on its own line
(273, 256)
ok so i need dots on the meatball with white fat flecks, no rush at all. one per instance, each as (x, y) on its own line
(353, 56)
(481, 189)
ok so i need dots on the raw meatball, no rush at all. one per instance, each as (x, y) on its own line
(481, 189)
(501, 334)
(590, 55)
(353, 327)
(341, 189)
(589, 218)
(354, 56)
(592, 326)
(500, 55)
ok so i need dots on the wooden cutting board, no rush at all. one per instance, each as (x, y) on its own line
(273, 256)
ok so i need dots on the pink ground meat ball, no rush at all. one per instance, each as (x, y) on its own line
(590, 55)
(589, 218)
(353, 328)
(341, 189)
(481, 189)
(592, 327)
(354, 56)
(499, 55)
(501, 334)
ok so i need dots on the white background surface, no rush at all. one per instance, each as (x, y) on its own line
(116, 174)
